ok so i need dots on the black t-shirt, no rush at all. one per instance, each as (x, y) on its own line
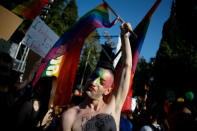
(100, 122)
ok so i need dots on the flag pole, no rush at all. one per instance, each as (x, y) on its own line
(116, 55)
(121, 20)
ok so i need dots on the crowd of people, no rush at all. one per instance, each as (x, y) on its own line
(30, 109)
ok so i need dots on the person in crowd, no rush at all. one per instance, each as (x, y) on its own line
(7, 101)
(35, 111)
(6, 80)
(22, 88)
(125, 122)
(20, 84)
(155, 118)
(140, 113)
(181, 117)
(94, 113)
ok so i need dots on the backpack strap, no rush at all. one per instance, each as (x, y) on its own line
(154, 128)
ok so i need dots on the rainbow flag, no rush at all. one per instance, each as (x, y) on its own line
(136, 46)
(146, 87)
(141, 30)
(66, 76)
(139, 99)
(30, 9)
(96, 18)
(53, 67)
(70, 44)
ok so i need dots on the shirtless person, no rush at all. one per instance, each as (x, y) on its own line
(95, 114)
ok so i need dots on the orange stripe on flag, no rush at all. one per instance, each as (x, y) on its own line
(66, 76)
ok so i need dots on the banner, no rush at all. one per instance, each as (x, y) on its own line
(40, 38)
(53, 67)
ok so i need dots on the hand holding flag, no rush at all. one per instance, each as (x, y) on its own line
(70, 45)
(121, 20)
(137, 43)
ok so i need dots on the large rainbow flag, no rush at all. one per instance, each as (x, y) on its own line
(136, 45)
(70, 45)
(30, 9)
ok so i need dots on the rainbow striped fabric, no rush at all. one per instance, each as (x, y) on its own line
(146, 87)
(141, 30)
(98, 17)
(75, 36)
(139, 99)
(136, 46)
(30, 9)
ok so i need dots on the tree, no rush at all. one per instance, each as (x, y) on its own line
(11, 4)
(143, 75)
(89, 57)
(62, 15)
(176, 62)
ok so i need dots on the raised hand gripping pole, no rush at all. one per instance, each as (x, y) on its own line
(121, 20)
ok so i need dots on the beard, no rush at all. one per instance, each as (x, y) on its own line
(92, 95)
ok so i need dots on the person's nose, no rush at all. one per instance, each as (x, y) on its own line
(95, 81)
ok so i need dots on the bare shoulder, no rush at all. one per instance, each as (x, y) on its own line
(68, 117)
(70, 112)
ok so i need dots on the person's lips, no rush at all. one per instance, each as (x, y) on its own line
(91, 88)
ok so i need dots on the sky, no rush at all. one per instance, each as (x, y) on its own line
(133, 11)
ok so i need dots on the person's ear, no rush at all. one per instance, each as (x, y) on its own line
(109, 90)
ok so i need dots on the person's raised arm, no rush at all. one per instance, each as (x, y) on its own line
(122, 87)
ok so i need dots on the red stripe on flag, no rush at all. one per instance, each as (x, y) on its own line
(67, 76)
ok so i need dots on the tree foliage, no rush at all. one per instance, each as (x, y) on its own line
(89, 57)
(175, 64)
(143, 76)
(11, 4)
(176, 60)
(62, 15)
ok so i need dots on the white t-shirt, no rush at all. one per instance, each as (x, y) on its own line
(148, 128)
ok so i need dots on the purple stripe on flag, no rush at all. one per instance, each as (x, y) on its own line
(135, 60)
(80, 37)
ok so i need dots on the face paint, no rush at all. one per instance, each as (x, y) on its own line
(101, 77)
